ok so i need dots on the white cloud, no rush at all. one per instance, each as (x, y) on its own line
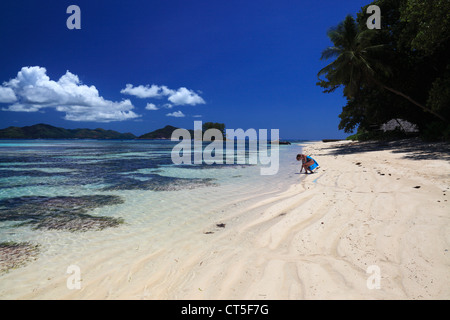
(151, 106)
(147, 91)
(168, 106)
(7, 95)
(176, 114)
(19, 107)
(35, 91)
(182, 96)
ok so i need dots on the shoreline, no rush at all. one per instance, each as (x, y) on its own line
(369, 204)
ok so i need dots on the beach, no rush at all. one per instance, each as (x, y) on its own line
(371, 223)
(368, 205)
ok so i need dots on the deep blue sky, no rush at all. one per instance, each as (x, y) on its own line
(254, 63)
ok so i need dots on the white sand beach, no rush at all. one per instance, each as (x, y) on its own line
(363, 207)
(367, 205)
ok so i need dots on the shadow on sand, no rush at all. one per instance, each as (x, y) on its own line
(414, 149)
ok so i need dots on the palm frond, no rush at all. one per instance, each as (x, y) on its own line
(330, 52)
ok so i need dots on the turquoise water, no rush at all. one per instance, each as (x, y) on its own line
(65, 184)
(106, 206)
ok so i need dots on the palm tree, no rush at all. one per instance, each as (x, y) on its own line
(356, 62)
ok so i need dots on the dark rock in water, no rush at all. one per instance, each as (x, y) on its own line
(14, 255)
(216, 165)
(59, 213)
(160, 183)
(78, 222)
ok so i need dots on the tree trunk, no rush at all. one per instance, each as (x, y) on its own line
(408, 98)
(411, 100)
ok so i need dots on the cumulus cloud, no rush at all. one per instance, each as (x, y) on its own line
(147, 91)
(167, 106)
(7, 95)
(32, 90)
(182, 96)
(151, 106)
(176, 114)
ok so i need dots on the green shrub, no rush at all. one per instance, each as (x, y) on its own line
(436, 131)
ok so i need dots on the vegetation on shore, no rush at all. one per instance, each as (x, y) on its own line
(401, 71)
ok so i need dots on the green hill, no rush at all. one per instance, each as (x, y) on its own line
(163, 133)
(45, 131)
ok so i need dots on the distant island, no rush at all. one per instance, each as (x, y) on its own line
(45, 131)
(163, 133)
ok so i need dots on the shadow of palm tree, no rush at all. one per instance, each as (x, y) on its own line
(413, 149)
